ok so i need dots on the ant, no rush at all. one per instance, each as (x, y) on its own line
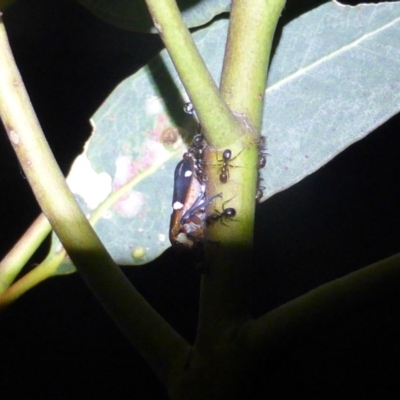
(226, 158)
(196, 153)
(262, 155)
(220, 216)
(262, 161)
(260, 189)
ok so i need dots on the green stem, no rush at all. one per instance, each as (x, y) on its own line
(140, 322)
(322, 306)
(248, 50)
(224, 291)
(15, 260)
(218, 123)
(45, 270)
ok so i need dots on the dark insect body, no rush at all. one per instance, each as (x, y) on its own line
(262, 155)
(189, 200)
(226, 160)
(227, 213)
(221, 216)
(260, 189)
(262, 161)
(196, 152)
(226, 156)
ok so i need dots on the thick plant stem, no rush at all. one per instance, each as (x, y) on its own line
(251, 32)
(140, 322)
(224, 291)
(218, 123)
(224, 294)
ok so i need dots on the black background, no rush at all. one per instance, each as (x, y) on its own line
(57, 343)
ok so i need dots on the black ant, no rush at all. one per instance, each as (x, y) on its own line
(262, 155)
(260, 189)
(220, 216)
(262, 161)
(226, 158)
(196, 152)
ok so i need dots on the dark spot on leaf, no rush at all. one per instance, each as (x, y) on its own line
(170, 136)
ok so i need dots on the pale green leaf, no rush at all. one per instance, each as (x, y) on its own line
(334, 78)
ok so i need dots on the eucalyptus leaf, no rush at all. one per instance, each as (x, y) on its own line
(133, 15)
(334, 78)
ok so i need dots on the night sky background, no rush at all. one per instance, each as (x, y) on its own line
(57, 343)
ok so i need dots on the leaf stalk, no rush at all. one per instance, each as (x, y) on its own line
(218, 123)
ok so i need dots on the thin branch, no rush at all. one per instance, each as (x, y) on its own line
(218, 123)
(159, 344)
(17, 257)
(46, 269)
(321, 306)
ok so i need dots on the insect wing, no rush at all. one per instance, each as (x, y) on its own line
(182, 181)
